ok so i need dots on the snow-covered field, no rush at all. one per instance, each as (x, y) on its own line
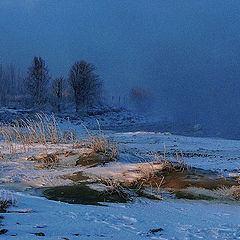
(141, 218)
(179, 219)
(208, 153)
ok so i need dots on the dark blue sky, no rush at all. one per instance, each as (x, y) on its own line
(186, 51)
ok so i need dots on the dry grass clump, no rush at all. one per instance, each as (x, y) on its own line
(101, 144)
(178, 165)
(133, 181)
(229, 192)
(157, 179)
(153, 177)
(236, 190)
(149, 176)
(236, 193)
(46, 160)
(223, 192)
(41, 129)
(6, 199)
(114, 187)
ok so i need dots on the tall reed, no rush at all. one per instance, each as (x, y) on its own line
(101, 144)
(41, 129)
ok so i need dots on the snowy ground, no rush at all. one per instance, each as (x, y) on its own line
(206, 153)
(142, 218)
(179, 219)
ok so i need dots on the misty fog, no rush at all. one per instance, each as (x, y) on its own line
(186, 52)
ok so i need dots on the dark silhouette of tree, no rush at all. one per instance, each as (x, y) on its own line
(37, 80)
(10, 83)
(85, 83)
(140, 97)
(2, 84)
(57, 90)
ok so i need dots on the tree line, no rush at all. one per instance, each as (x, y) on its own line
(82, 85)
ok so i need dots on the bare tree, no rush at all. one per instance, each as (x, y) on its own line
(2, 85)
(37, 80)
(141, 98)
(11, 81)
(8, 82)
(57, 90)
(85, 83)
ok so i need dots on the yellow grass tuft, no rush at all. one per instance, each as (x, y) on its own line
(101, 144)
(42, 129)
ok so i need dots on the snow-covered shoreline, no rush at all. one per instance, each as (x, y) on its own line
(169, 218)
